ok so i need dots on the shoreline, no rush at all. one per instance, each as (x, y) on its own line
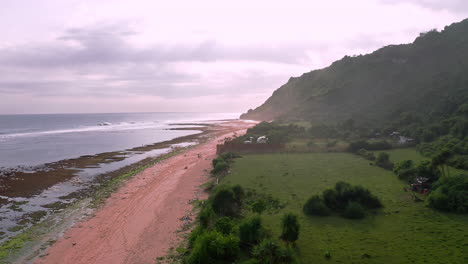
(215, 134)
(28, 197)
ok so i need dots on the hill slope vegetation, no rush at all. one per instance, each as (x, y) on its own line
(427, 78)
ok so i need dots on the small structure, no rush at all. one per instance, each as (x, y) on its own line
(262, 140)
(405, 140)
(395, 134)
(250, 141)
(421, 185)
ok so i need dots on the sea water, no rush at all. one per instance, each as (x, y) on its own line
(36, 139)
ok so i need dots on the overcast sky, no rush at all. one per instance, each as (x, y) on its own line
(63, 56)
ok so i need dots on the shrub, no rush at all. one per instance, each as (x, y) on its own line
(211, 246)
(428, 170)
(258, 206)
(224, 225)
(251, 231)
(229, 156)
(339, 199)
(450, 194)
(383, 160)
(364, 197)
(405, 170)
(238, 193)
(330, 198)
(269, 251)
(216, 161)
(362, 144)
(366, 154)
(315, 206)
(290, 228)
(196, 232)
(354, 210)
(225, 202)
(252, 197)
(206, 216)
(220, 166)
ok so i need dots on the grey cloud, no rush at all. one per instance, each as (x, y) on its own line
(109, 45)
(456, 6)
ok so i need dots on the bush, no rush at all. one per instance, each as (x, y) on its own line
(450, 194)
(271, 252)
(428, 170)
(362, 144)
(252, 197)
(226, 201)
(258, 206)
(229, 156)
(405, 170)
(206, 216)
(196, 232)
(364, 197)
(331, 199)
(366, 154)
(251, 231)
(354, 210)
(217, 160)
(383, 160)
(315, 206)
(290, 228)
(220, 166)
(211, 246)
(225, 225)
(339, 199)
(238, 193)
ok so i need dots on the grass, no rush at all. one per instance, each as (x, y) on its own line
(402, 232)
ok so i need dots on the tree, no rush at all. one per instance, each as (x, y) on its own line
(225, 202)
(251, 231)
(440, 161)
(450, 194)
(290, 228)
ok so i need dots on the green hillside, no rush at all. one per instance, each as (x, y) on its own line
(427, 78)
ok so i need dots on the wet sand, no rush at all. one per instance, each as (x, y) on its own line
(140, 221)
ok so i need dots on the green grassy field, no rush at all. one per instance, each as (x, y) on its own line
(402, 232)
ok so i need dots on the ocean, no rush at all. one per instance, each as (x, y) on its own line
(29, 140)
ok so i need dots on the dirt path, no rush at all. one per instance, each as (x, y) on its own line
(138, 223)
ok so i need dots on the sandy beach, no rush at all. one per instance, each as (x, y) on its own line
(139, 222)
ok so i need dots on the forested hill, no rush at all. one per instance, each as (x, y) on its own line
(427, 78)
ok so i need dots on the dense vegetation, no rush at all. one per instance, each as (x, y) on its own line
(421, 81)
(224, 233)
(450, 194)
(345, 199)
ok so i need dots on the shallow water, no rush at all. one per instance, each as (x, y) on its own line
(37, 139)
